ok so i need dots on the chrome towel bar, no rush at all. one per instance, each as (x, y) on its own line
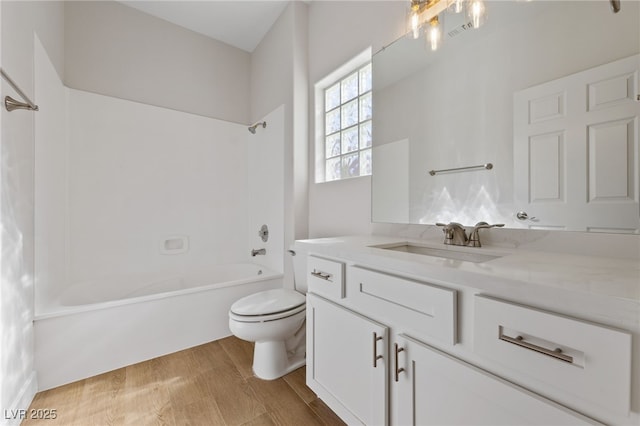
(11, 104)
(487, 166)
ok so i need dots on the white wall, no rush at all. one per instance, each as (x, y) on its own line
(20, 20)
(338, 31)
(115, 50)
(140, 174)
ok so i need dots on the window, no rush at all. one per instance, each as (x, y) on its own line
(347, 126)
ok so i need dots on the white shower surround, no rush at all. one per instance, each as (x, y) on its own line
(116, 178)
(140, 174)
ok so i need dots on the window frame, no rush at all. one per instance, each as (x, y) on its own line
(355, 65)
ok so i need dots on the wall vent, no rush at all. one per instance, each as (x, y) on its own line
(460, 29)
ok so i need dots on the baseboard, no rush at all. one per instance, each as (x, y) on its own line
(18, 411)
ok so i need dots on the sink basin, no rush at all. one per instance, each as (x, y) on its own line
(443, 253)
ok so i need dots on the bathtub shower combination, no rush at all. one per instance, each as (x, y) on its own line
(145, 221)
(100, 326)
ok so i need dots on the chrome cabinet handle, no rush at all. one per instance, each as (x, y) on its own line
(376, 357)
(322, 275)
(519, 341)
(398, 370)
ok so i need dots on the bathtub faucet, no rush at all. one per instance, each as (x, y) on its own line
(255, 252)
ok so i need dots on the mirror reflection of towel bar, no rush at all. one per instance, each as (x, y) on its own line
(487, 166)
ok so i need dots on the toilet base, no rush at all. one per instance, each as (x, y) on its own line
(271, 360)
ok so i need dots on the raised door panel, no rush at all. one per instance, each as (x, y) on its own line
(611, 155)
(606, 90)
(347, 362)
(438, 389)
(546, 168)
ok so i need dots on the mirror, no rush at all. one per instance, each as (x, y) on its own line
(545, 91)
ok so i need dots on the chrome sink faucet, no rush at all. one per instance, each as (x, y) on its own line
(455, 234)
(261, 251)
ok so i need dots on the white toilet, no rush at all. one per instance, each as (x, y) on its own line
(275, 321)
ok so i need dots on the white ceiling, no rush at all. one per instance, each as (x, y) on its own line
(240, 23)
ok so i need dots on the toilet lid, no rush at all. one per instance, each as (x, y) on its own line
(268, 302)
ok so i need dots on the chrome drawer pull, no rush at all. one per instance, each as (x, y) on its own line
(322, 275)
(376, 357)
(398, 370)
(519, 341)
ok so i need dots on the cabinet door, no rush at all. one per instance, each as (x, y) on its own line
(438, 389)
(347, 362)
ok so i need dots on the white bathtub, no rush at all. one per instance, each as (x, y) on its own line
(98, 326)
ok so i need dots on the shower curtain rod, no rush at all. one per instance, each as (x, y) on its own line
(11, 104)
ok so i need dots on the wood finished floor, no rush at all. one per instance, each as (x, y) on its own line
(211, 384)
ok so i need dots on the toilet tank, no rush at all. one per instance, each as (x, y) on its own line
(299, 268)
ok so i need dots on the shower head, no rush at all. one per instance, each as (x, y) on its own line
(252, 129)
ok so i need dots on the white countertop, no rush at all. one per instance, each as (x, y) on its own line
(589, 275)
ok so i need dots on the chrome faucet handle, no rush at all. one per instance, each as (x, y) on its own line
(448, 233)
(482, 225)
(474, 238)
(454, 233)
(459, 234)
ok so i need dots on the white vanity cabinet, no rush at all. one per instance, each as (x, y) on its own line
(370, 356)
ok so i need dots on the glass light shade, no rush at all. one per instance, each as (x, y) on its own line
(434, 35)
(476, 12)
(457, 6)
(414, 24)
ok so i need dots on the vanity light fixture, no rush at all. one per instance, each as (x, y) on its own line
(428, 11)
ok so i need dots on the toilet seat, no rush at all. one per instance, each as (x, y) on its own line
(267, 305)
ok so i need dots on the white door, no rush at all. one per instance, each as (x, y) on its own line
(438, 389)
(347, 362)
(576, 150)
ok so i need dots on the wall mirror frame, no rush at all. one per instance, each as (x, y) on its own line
(545, 91)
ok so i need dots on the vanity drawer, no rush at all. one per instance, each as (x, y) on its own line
(325, 277)
(421, 309)
(575, 362)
